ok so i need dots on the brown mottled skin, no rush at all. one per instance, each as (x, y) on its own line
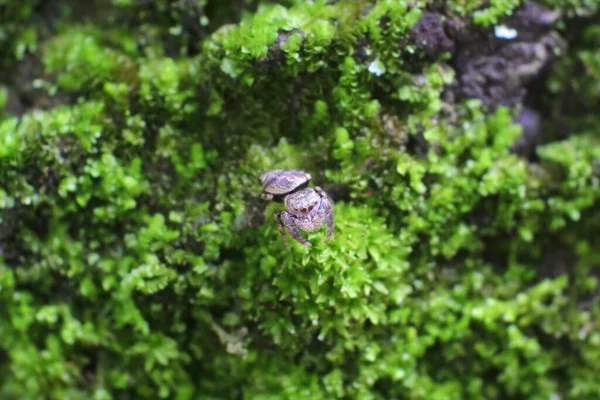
(281, 182)
(306, 208)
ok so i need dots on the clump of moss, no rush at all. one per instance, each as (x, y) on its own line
(136, 260)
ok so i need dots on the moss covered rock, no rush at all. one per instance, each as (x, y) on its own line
(460, 141)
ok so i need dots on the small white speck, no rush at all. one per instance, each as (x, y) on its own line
(377, 68)
(505, 32)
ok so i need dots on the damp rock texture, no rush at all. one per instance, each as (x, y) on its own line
(498, 64)
(459, 141)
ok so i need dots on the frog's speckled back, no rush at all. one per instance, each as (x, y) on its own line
(280, 182)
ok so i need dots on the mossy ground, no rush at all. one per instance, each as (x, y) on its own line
(137, 262)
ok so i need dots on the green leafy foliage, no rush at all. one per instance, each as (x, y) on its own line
(137, 261)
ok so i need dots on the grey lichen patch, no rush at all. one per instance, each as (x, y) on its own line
(430, 36)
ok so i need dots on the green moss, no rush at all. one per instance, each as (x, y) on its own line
(495, 10)
(17, 34)
(137, 261)
(82, 63)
